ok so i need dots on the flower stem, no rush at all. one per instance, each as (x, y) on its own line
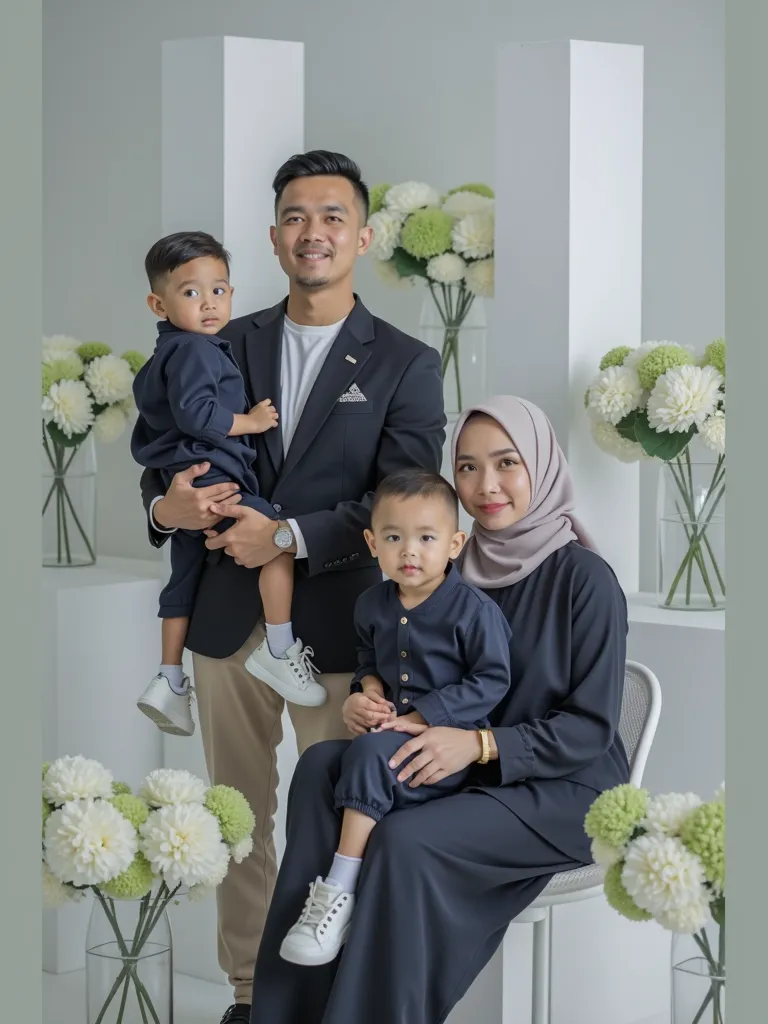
(695, 530)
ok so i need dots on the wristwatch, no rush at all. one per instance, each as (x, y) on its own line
(283, 536)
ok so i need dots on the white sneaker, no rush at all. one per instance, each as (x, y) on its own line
(293, 676)
(321, 930)
(170, 711)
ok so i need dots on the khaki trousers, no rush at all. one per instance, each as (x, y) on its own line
(240, 722)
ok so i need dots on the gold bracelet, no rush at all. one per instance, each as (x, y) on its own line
(486, 755)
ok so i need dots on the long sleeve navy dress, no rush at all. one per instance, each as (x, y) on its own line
(441, 882)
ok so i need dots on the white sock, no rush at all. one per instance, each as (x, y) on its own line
(280, 638)
(175, 676)
(344, 872)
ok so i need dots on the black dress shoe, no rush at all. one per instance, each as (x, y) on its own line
(238, 1013)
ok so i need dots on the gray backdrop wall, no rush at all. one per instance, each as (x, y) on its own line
(407, 89)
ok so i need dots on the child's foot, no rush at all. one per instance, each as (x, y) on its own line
(320, 932)
(293, 676)
(170, 711)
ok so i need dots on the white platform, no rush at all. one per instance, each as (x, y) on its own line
(102, 644)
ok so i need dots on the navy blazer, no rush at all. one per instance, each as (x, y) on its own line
(340, 451)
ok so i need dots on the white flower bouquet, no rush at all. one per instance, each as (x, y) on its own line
(175, 832)
(86, 389)
(649, 403)
(664, 860)
(445, 241)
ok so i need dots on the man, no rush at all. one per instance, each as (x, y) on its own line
(357, 399)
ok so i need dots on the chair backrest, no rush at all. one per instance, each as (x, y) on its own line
(640, 710)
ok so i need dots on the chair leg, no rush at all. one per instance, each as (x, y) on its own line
(541, 970)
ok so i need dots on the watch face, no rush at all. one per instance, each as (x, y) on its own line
(283, 537)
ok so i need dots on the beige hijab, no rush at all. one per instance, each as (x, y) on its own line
(497, 558)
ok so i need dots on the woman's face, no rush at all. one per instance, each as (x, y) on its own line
(491, 478)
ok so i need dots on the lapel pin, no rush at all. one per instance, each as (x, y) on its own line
(350, 359)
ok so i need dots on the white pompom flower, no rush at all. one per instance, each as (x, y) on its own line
(59, 346)
(712, 432)
(447, 268)
(462, 204)
(183, 844)
(615, 393)
(242, 850)
(480, 278)
(55, 893)
(110, 378)
(684, 397)
(666, 813)
(168, 786)
(69, 406)
(390, 275)
(689, 918)
(76, 778)
(74, 362)
(110, 424)
(89, 842)
(410, 196)
(609, 440)
(386, 234)
(662, 876)
(473, 235)
(604, 854)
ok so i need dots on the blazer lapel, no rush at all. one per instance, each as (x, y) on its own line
(263, 345)
(334, 379)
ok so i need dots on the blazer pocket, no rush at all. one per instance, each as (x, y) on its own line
(352, 408)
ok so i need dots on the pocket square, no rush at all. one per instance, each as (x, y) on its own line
(353, 395)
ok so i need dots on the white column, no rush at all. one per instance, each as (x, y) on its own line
(569, 154)
(232, 113)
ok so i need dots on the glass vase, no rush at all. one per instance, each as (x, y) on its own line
(129, 961)
(453, 321)
(691, 513)
(698, 976)
(68, 501)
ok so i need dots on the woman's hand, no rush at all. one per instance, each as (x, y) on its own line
(364, 711)
(440, 752)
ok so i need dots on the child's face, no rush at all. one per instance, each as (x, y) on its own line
(414, 539)
(195, 297)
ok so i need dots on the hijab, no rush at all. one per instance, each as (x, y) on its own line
(498, 558)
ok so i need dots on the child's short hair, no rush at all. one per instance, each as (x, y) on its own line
(182, 247)
(416, 483)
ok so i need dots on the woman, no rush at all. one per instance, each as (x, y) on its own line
(441, 882)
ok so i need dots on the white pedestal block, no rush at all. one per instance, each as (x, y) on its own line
(232, 113)
(102, 645)
(569, 148)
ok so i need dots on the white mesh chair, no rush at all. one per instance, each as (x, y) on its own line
(640, 710)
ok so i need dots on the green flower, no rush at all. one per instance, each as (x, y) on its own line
(134, 359)
(119, 788)
(618, 897)
(714, 355)
(49, 377)
(377, 195)
(133, 808)
(427, 233)
(66, 368)
(615, 357)
(234, 814)
(479, 189)
(92, 350)
(703, 832)
(659, 360)
(46, 766)
(135, 882)
(614, 816)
